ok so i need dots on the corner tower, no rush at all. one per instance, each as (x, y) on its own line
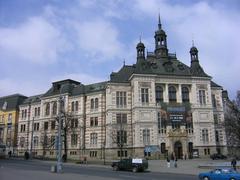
(140, 51)
(160, 41)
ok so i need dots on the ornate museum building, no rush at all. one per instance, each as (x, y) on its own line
(156, 107)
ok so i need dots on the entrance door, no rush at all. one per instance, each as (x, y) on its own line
(178, 150)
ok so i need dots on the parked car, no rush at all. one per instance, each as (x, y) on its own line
(220, 174)
(133, 165)
(217, 156)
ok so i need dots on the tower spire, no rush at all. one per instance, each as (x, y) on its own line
(159, 22)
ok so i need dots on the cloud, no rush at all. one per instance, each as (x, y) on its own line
(98, 39)
(35, 41)
(214, 29)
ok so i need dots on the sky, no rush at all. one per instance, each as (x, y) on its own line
(43, 41)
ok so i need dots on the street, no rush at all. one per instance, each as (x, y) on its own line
(40, 170)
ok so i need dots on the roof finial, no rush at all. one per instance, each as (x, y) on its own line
(140, 37)
(192, 41)
(159, 22)
(123, 62)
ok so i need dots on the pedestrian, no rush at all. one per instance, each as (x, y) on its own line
(9, 154)
(234, 164)
(168, 162)
(175, 162)
(26, 155)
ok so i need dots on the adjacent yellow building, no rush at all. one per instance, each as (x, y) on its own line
(9, 112)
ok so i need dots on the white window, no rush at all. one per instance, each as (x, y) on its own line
(121, 99)
(202, 97)
(74, 139)
(144, 95)
(35, 141)
(205, 137)
(146, 136)
(93, 138)
(121, 118)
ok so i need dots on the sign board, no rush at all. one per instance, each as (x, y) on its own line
(176, 109)
(176, 117)
(137, 161)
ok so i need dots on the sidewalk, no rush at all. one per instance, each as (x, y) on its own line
(191, 166)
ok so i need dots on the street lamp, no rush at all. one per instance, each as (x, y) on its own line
(60, 116)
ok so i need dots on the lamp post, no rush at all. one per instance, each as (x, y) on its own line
(32, 138)
(59, 157)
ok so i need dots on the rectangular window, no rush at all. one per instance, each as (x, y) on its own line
(122, 154)
(121, 99)
(53, 123)
(38, 111)
(217, 136)
(146, 136)
(144, 95)
(93, 153)
(121, 118)
(45, 126)
(205, 137)
(23, 128)
(35, 112)
(202, 97)
(93, 138)
(76, 106)
(121, 137)
(94, 121)
(74, 123)
(94, 104)
(215, 117)
(74, 139)
(214, 101)
(36, 127)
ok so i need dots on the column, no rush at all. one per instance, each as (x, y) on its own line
(165, 94)
(179, 94)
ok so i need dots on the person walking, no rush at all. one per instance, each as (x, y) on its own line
(234, 164)
(168, 162)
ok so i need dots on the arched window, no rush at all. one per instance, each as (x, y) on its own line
(159, 94)
(185, 94)
(47, 110)
(158, 41)
(54, 111)
(172, 94)
(72, 108)
(96, 103)
(92, 103)
(162, 41)
(76, 106)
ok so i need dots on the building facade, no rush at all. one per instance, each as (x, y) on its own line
(156, 107)
(9, 112)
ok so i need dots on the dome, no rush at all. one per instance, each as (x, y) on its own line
(193, 49)
(140, 44)
(160, 32)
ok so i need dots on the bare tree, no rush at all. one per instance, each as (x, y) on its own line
(232, 122)
(120, 132)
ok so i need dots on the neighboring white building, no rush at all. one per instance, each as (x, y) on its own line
(156, 107)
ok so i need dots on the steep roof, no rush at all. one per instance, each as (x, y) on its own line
(11, 102)
(32, 99)
(213, 84)
(157, 66)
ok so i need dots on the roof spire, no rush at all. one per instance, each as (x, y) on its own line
(140, 38)
(124, 62)
(159, 22)
(192, 41)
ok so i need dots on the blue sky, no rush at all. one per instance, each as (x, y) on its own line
(42, 41)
